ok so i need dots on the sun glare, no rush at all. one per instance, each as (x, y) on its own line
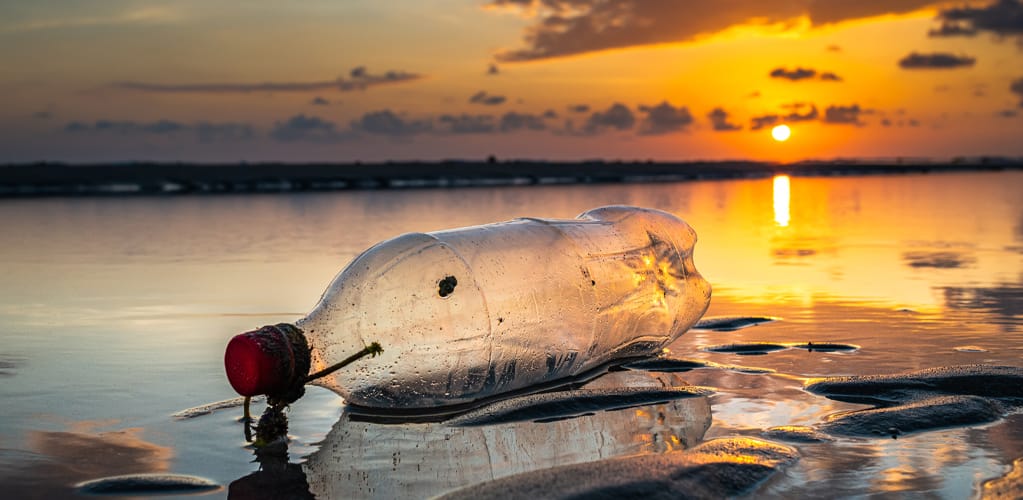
(781, 133)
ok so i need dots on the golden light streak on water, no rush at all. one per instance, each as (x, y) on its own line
(782, 197)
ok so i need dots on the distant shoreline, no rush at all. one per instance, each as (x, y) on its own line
(57, 179)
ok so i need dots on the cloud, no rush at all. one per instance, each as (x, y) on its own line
(468, 124)
(223, 132)
(513, 121)
(561, 28)
(140, 16)
(483, 98)
(794, 75)
(794, 116)
(550, 114)
(719, 120)
(937, 60)
(1006, 113)
(762, 121)
(843, 115)
(664, 118)
(834, 48)
(579, 108)
(951, 29)
(1016, 87)
(158, 127)
(206, 132)
(305, 128)
(319, 101)
(1001, 17)
(387, 122)
(804, 74)
(42, 115)
(358, 79)
(617, 117)
(493, 70)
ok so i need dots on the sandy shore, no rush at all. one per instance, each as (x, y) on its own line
(55, 179)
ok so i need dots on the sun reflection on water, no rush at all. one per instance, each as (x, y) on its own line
(782, 196)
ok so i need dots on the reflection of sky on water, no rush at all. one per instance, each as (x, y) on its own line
(56, 460)
(120, 307)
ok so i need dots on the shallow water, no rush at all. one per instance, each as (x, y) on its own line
(114, 313)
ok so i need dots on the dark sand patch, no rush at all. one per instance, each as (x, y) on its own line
(796, 434)
(753, 348)
(825, 347)
(938, 412)
(146, 484)
(758, 348)
(731, 323)
(977, 380)
(667, 364)
(714, 469)
(567, 404)
(921, 400)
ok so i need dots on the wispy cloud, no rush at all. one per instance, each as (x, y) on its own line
(154, 14)
(485, 99)
(358, 79)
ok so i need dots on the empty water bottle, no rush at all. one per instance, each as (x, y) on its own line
(469, 313)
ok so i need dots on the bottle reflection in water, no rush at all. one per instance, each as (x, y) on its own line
(361, 459)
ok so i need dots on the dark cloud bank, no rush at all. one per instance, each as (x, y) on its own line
(1002, 18)
(204, 131)
(567, 27)
(644, 120)
(937, 60)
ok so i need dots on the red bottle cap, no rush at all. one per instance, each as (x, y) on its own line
(260, 362)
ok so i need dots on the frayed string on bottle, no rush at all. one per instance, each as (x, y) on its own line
(273, 424)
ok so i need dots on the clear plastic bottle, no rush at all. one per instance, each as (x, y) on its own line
(469, 313)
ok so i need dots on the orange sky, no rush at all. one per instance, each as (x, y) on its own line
(120, 80)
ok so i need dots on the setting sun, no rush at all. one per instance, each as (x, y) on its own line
(781, 133)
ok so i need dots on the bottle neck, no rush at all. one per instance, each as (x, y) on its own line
(295, 358)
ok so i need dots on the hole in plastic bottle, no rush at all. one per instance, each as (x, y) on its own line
(446, 286)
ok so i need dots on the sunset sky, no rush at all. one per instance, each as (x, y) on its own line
(346, 80)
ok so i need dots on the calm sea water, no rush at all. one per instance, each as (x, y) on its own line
(114, 313)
